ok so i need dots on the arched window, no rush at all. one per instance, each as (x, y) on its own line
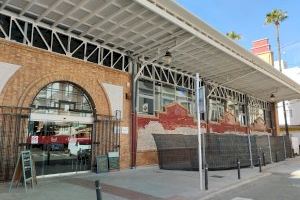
(62, 98)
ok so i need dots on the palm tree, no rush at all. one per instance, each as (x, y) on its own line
(276, 17)
(233, 35)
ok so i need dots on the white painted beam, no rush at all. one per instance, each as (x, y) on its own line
(106, 19)
(120, 34)
(239, 77)
(71, 11)
(148, 38)
(50, 9)
(160, 42)
(89, 16)
(28, 6)
(4, 3)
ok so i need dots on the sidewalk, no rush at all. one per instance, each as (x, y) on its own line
(147, 183)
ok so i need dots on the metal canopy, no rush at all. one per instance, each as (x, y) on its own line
(148, 28)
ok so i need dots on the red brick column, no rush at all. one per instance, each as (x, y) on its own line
(276, 128)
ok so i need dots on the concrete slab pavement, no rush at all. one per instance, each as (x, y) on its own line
(147, 183)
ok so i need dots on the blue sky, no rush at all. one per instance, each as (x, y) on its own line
(246, 17)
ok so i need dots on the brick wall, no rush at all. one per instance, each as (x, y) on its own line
(40, 67)
(174, 120)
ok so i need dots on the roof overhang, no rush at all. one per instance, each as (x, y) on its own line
(149, 28)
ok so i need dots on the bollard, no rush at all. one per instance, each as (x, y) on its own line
(206, 176)
(264, 158)
(293, 153)
(48, 157)
(259, 163)
(239, 168)
(98, 190)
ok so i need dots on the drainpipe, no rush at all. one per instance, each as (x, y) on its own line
(133, 65)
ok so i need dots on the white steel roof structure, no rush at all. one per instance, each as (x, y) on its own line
(148, 28)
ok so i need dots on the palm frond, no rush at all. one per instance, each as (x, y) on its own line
(275, 17)
(233, 35)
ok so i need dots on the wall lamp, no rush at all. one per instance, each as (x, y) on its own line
(272, 97)
(167, 58)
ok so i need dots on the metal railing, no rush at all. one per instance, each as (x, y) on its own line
(13, 134)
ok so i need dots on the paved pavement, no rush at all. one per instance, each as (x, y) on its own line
(283, 184)
(150, 183)
(275, 187)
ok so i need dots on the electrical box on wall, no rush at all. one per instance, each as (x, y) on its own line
(128, 96)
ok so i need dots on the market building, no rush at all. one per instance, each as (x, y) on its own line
(85, 78)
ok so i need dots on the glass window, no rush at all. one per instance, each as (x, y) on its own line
(232, 107)
(146, 105)
(255, 113)
(146, 99)
(185, 98)
(168, 95)
(242, 115)
(268, 118)
(182, 97)
(62, 98)
(146, 88)
(158, 104)
(216, 111)
(153, 96)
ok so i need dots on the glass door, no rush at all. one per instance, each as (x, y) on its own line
(60, 146)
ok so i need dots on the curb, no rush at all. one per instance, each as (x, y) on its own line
(215, 193)
(276, 164)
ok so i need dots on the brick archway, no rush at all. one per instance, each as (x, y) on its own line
(94, 91)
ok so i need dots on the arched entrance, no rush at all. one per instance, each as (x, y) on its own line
(60, 129)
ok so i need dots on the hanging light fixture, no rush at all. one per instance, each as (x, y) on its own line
(167, 58)
(272, 97)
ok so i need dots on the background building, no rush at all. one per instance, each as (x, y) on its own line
(292, 106)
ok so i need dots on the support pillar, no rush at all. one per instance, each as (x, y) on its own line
(275, 119)
(197, 83)
(133, 68)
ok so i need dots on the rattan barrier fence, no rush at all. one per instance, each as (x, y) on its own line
(180, 152)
